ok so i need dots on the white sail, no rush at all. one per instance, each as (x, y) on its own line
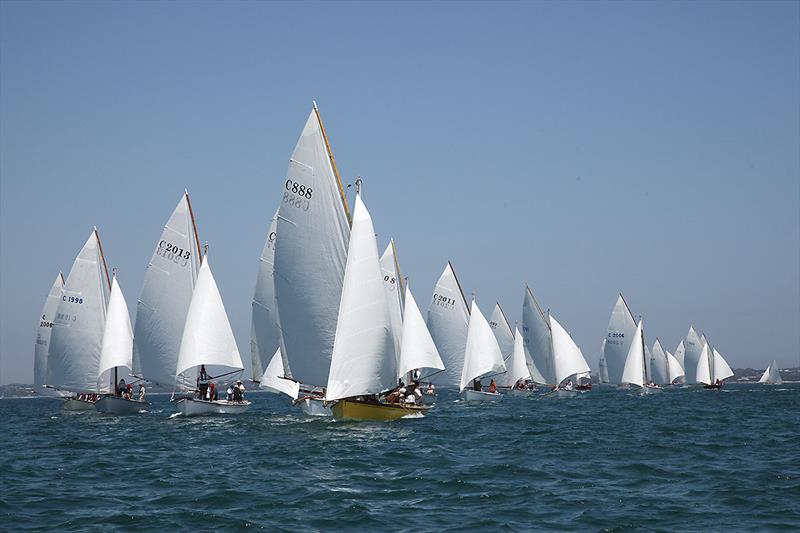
(417, 349)
(166, 294)
(117, 347)
(674, 368)
(536, 376)
(448, 322)
(393, 285)
(771, 375)
(693, 348)
(502, 331)
(207, 338)
(265, 332)
(538, 338)
(722, 370)
(516, 364)
(765, 376)
(482, 355)
(658, 364)
(273, 378)
(76, 341)
(310, 255)
(255, 356)
(680, 351)
(363, 359)
(621, 327)
(602, 371)
(567, 357)
(703, 369)
(634, 371)
(45, 328)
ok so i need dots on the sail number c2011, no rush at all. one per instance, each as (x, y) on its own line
(173, 253)
(443, 301)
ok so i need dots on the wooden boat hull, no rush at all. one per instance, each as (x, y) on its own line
(195, 407)
(314, 407)
(360, 410)
(119, 406)
(481, 396)
(74, 404)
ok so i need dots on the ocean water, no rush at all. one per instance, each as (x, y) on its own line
(684, 460)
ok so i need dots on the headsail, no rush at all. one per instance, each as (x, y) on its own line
(680, 351)
(166, 294)
(45, 328)
(722, 370)
(117, 346)
(658, 364)
(567, 357)
(516, 364)
(393, 284)
(538, 338)
(621, 327)
(76, 341)
(482, 355)
(363, 360)
(274, 376)
(502, 331)
(634, 371)
(674, 368)
(448, 322)
(310, 255)
(417, 349)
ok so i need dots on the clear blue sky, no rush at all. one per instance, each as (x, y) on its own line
(586, 148)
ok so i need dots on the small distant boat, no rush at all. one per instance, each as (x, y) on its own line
(665, 367)
(482, 358)
(207, 341)
(772, 375)
(635, 372)
(116, 353)
(712, 369)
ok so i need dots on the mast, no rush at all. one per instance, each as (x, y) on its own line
(191, 215)
(644, 357)
(102, 256)
(333, 163)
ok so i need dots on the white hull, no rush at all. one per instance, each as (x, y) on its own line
(194, 407)
(481, 396)
(315, 408)
(119, 406)
(74, 404)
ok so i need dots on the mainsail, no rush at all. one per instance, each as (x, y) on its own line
(538, 339)
(43, 333)
(310, 255)
(693, 348)
(658, 364)
(166, 294)
(482, 355)
(363, 359)
(621, 327)
(680, 351)
(502, 331)
(76, 341)
(264, 330)
(448, 322)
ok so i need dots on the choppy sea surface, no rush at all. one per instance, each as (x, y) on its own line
(684, 460)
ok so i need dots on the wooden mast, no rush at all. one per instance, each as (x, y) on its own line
(194, 224)
(333, 163)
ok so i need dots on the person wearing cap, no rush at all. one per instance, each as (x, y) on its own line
(213, 395)
(238, 391)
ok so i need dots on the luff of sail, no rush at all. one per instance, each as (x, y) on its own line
(392, 284)
(166, 294)
(363, 359)
(117, 347)
(310, 255)
(482, 355)
(417, 349)
(502, 331)
(448, 322)
(567, 357)
(621, 327)
(76, 341)
(45, 328)
(265, 331)
(207, 337)
(538, 337)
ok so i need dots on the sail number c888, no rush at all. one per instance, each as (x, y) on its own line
(299, 189)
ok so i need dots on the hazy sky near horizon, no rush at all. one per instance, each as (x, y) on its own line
(585, 148)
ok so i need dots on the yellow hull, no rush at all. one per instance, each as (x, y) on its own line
(358, 410)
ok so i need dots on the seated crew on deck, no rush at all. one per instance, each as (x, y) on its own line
(238, 391)
(568, 385)
(493, 387)
(431, 389)
(121, 388)
(213, 395)
(476, 385)
(202, 382)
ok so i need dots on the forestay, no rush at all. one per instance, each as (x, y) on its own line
(166, 294)
(516, 364)
(363, 359)
(502, 331)
(634, 371)
(274, 378)
(693, 346)
(207, 338)
(76, 341)
(46, 318)
(310, 255)
(117, 347)
(393, 284)
(621, 327)
(417, 349)
(567, 357)
(482, 355)
(448, 322)
(538, 339)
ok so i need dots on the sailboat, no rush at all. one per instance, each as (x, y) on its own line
(482, 357)
(517, 371)
(712, 369)
(772, 375)
(448, 322)
(553, 349)
(363, 361)
(208, 341)
(693, 347)
(73, 356)
(43, 332)
(621, 327)
(667, 369)
(635, 372)
(163, 304)
(313, 225)
(116, 353)
(417, 349)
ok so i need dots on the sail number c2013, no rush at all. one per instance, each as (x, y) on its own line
(173, 253)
